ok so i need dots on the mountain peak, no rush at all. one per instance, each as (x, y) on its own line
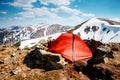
(111, 22)
(99, 29)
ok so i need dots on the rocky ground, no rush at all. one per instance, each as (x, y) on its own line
(38, 64)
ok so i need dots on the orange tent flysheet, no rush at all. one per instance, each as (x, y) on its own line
(63, 45)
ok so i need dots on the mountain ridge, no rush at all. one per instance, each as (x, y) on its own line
(99, 29)
(15, 34)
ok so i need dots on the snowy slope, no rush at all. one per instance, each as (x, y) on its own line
(33, 42)
(15, 34)
(23, 33)
(99, 29)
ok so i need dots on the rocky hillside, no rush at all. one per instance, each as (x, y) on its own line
(38, 64)
(15, 34)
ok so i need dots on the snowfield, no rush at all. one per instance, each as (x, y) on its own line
(99, 30)
(33, 42)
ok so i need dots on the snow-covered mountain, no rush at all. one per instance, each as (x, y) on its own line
(99, 29)
(15, 34)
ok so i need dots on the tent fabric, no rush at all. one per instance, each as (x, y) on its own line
(63, 46)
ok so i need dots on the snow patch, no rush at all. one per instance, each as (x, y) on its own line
(32, 42)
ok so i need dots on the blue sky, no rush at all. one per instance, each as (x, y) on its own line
(65, 12)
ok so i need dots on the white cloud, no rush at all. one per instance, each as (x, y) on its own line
(49, 15)
(69, 10)
(27, 14)
(76, 18)
(55, 2)
(25, 1)
(37, 12)
(71, 21)
(18, 18)
(3, 12)
(88, 15)
(41, 11)
(54, 10)
(22, 3)
(116, 19)
(31, 11)
(65, 9)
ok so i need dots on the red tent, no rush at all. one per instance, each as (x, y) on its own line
(63, 45)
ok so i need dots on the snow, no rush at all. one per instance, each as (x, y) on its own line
(33, 42)
(117, 39)
(106, 32)
(45, 32)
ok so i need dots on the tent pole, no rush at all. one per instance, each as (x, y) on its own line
(73, 37)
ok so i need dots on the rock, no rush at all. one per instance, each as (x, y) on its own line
(12, 72)
(1, 61)
(14, 62)
(106, 60)
(114, 46)
(6, 60)
(104, 48)
(36, 59)
(13, 55)
(43, 44)
(109, 71)
(83, 76)
(20, 53)
(16, 71)
(92, 44)
(61, 61)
